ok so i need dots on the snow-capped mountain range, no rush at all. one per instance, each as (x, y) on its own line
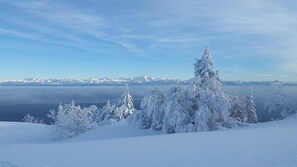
(139, 80)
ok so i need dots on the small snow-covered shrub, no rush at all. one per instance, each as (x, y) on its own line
(32, 119)
(71, 120)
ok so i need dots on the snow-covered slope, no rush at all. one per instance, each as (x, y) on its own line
(268, 144)
(20, 132)
(120, 130)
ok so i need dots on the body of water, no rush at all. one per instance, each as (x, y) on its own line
(17, 101)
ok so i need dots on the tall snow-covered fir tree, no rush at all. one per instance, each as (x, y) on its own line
(201, 106)
(212, 104)
(249, 111)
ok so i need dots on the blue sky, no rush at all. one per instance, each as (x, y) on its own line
(249, 39)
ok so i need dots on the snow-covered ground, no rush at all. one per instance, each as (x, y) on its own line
(267, 144)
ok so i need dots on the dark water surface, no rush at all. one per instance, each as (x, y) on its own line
(17, 101)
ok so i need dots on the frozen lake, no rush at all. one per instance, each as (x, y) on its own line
(16, 101)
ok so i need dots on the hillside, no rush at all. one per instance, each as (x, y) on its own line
(267, 144)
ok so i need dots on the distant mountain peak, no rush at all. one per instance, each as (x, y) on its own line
(143, 78)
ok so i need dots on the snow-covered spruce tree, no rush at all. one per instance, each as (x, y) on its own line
(236, 107)
(164, 111)
(249, 111)
(71, 120)
(102, 112)
(112, 113)
(212, 104)
(177, 118)
(277, 101)
(152, 114)
(107, 114)
(125, 106)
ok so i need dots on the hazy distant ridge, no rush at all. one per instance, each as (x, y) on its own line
(140, 80)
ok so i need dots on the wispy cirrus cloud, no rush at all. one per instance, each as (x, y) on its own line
(167, 24)
(72, 26)
(60, 13)
(18, 34)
